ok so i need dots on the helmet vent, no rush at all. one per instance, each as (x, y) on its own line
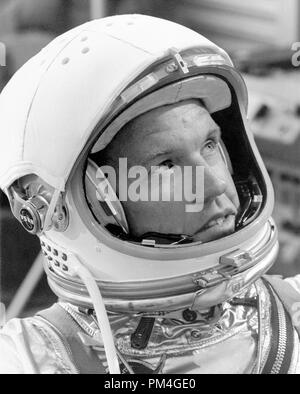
(57, 259)
(85, 50)
(65, 60)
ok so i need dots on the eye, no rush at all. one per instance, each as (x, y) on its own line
(211, 146)
(166, 163)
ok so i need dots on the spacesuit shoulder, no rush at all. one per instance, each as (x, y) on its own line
(30, 346)
(10, 359)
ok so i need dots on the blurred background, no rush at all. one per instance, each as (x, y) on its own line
(261, 36)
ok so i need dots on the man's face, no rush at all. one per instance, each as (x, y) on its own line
(178, 135)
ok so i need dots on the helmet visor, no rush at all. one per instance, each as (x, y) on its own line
(176, 167)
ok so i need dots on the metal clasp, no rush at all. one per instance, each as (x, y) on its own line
(209, 279)
(235, 262)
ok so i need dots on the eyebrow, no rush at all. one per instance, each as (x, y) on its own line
(216, 131)
(155, 155)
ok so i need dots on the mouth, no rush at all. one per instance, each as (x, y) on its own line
(218, 226)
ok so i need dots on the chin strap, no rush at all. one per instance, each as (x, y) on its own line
(151, 238)
(154, 239)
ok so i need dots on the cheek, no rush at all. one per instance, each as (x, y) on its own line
(157, 216)
(165, 208)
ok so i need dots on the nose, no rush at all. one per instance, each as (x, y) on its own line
(211, 181)
(214, 186)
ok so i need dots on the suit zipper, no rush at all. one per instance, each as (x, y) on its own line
(282, 343)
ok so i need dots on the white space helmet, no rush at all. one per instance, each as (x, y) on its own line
(67, 103)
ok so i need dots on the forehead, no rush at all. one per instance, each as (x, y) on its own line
(166, 119)
(163, 127)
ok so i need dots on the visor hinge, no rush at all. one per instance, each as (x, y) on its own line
(179, 61)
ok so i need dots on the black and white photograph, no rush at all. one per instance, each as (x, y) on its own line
(149, 189)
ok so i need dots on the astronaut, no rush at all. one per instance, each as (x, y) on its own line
(125, 148)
